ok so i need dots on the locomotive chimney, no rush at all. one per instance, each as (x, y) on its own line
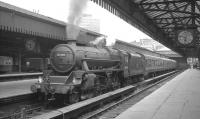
(72, 33)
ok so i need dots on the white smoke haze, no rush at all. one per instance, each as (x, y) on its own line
(76, 9)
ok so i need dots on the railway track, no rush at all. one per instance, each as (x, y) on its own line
(15, 99)
(85, 107)
(112, 110)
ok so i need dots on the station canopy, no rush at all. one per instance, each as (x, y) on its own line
(174, 23)
(172, 17)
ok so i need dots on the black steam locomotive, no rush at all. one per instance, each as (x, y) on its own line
(81, 72)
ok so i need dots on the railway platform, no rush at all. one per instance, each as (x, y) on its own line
(11, 75)
(177, 99)
(16, 88)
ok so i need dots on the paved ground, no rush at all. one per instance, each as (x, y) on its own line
(178, 99)
(14, 88)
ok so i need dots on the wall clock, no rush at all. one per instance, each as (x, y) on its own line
(185, 37)
(30, 44)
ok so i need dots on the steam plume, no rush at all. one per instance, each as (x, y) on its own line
(76, 9)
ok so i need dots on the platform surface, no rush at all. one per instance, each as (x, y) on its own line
(177, 99)
(15, 88)
(20, 74)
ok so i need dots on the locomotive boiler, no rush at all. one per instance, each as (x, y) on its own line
(65, 57)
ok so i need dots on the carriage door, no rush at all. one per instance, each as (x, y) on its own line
(126, 63)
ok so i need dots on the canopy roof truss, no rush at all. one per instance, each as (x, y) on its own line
(160, 19)
(172, 14)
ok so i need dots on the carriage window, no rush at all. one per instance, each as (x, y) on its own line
(149, 62)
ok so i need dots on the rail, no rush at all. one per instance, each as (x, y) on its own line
(131, 96)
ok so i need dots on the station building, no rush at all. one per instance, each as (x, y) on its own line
(26, 38)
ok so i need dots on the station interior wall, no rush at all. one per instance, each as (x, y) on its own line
(15, 46)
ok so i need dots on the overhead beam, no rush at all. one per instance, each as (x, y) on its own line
(191, 13)
(166, 18)
(174, 9)
(166, 2)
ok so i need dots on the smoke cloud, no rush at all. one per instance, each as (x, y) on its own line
(76, 9)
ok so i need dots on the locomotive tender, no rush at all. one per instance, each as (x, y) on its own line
(81, 72)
